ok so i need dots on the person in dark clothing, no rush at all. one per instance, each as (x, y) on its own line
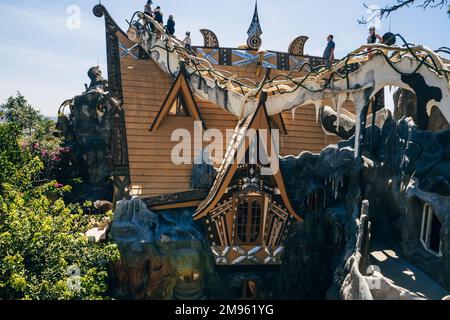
(149, 12)
(372, 39)
(170, 27)
(159, 17)
(328, 54)
(373, 36)
(148, 8)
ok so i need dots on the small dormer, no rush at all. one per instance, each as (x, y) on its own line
(179, 102)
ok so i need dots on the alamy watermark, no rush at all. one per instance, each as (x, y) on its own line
(73, 21)
(248, 147)
(74, 279)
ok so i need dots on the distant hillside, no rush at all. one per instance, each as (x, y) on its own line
(53, 118)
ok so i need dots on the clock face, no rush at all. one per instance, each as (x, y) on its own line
(254, 42)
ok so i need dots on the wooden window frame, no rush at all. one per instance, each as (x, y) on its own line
(252, 225)
(426, 229)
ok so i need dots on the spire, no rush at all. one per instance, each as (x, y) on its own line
(254, 32)
(255, 27)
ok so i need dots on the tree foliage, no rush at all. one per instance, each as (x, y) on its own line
(18, 111)
(400, 4)
(44, 253)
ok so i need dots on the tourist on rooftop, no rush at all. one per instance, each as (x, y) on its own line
(187, 42)
(170, 27)
(159, 16)
(148, 11)
(373, 36)
(372, 39)
(148, 8)
(328, 54)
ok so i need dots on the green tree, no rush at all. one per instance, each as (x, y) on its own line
(17, 110)
(43, 251)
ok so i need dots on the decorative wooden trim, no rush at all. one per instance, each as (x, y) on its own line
(259, 120)
(190, 204)
(297, 45)
(210, 39)
(119, 143)
(227, 56)
(179, 88)
(176, 200)
(246, 255)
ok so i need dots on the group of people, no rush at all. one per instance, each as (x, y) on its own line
(158, 15)
(169, 27)
(328, 54)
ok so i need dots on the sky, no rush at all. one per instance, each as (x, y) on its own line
(46, 51)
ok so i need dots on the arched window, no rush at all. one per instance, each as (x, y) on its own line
(248, 220)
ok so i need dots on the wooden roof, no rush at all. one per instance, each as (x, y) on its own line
(233, 157)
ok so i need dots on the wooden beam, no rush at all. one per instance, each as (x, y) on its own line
(176, 200)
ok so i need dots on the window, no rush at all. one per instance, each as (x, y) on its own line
(249, 290)
(431, 231)
(248, 220)
(178, 108)
(242, 219)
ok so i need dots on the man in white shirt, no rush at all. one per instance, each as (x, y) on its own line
(187, 41)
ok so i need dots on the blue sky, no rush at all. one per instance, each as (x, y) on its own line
(47, 61)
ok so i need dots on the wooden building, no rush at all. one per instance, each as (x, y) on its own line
(243, 210)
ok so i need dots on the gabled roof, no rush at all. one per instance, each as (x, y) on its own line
(179, 88)
(258, 120)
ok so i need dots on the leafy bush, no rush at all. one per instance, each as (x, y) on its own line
(43, 251)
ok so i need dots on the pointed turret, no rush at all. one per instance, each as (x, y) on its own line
(254, 31)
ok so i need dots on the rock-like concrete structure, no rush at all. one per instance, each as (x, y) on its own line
(164, 256)
(88, 130)
(159, 249)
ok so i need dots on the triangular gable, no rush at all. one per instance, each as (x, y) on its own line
(258, 120)
(181, 89)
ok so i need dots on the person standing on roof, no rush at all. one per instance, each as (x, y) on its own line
(372, 39)
(170, 27)
(148, 8)
(328, 54)
(187, 42)
(373, 36)
(159, 17)
(149, 12)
